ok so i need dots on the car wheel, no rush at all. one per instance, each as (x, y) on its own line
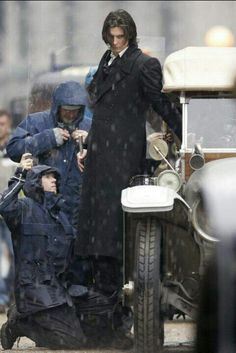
(148, 321)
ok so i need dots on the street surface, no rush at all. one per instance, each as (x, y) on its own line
(179, 335)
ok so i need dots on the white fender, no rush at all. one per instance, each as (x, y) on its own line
(149, 198)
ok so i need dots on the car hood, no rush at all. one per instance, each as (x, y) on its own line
(216, 171)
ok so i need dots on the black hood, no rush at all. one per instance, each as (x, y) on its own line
(33, 186)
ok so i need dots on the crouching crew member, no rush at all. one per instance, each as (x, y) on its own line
(42, 241)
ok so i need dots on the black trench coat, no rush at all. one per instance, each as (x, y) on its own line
(122, 94)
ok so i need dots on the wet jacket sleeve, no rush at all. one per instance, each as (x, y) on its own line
(151, 83)
(10, 206)
(27, 138)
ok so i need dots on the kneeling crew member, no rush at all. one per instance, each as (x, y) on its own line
(42, 240)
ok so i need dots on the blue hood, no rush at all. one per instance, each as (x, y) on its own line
(68, 93)
(89, 76)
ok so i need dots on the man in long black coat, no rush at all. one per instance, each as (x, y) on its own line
(126, 83)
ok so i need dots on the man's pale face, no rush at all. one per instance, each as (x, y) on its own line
(117, 40)
(5, 126)
(49, 183)
(68, 116)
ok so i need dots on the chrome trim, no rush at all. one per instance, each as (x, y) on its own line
(196, 226)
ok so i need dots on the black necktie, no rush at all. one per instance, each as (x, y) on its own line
(115, 61)
(107, 69)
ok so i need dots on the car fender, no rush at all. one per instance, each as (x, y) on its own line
(149, 198)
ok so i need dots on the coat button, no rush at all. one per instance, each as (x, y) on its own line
(64, 160)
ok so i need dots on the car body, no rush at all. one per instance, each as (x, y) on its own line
(169, 237)
(43, 85)
(41, 89)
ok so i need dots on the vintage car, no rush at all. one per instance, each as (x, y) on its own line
(41, 90)
(43, 85)
(168, 237)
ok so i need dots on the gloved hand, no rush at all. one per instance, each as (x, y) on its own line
(61, 135)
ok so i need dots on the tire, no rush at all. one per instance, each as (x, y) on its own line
(148, 322)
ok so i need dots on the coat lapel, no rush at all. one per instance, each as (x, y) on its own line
(120, 71)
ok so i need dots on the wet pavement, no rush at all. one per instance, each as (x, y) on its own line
(179, 336)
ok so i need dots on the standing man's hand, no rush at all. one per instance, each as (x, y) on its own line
(26, 162)
(80, 159)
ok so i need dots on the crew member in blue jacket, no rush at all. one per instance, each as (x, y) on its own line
(52, 136)
(42, 240)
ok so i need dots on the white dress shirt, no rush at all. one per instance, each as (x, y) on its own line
(113, 56)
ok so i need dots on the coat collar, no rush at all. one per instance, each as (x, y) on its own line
(129, 58)
(120, 71)
(53, 201)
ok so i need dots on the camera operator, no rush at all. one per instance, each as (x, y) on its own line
(52, 136)
(42, 240)
(7, 167)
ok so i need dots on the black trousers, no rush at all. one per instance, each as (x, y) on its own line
(103, 308)
(55, 328)
(107, 274)
(103, 273)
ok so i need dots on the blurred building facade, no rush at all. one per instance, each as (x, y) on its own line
(35, 33)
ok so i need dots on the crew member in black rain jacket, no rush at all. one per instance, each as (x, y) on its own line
(52, 137)
(42, 240)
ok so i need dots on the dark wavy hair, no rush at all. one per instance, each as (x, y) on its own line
(120, 18)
